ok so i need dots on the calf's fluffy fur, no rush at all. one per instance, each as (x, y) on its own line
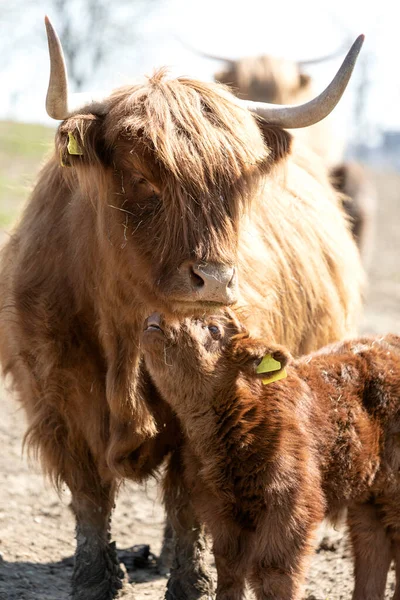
(266, 463)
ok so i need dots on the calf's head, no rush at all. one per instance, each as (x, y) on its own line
(201, 357)
(169, 167)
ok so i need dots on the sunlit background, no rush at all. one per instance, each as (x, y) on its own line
(111, 43)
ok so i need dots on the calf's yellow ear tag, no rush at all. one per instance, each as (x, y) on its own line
(270, 365)
(73, 146)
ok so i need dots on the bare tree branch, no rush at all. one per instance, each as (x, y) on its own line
(88, 29)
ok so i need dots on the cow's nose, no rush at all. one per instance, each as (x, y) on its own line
(213, 282)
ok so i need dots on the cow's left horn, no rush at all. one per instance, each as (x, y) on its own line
(304, 115)
(60, 104)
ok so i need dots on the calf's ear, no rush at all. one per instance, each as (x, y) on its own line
(261, 360)
(79, 141)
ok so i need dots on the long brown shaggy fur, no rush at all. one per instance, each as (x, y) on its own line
(265, 462)
(170, 171)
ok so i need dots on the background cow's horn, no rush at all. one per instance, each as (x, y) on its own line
(304, 115)
(185, 44)
(60, 104)
(227, 61)
(324, 57)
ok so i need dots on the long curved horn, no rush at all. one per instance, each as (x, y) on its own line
(60, 104)
(304, 115)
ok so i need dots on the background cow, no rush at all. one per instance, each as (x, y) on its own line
(268, 78)
(170, 195)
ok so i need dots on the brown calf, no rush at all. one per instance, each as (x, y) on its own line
(267, 460)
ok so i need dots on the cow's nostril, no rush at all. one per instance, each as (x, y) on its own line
(197, 281)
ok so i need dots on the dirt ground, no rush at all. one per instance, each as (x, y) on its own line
(37, 529)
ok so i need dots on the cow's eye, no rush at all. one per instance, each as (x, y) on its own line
(215, 331)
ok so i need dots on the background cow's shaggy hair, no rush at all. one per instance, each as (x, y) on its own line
(268, 78)
(170, 172)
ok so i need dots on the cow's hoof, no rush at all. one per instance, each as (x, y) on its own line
(97, 576)
(194, 587)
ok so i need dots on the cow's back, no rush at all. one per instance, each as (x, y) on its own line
(300, 269)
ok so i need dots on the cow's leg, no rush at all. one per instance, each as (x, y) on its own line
(167, 550)
(97, 574)
(67, 457)
(372, 552)
(190, 578)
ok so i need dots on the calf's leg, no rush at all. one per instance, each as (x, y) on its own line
(190, 578)
(372, 552)
(282, 556)
(390, 509)
(231, 560)
(396, 556)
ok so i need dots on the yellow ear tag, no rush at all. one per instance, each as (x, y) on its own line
(270, 365)
(280, 375)
(73, 146)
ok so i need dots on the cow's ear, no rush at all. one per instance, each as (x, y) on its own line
(278, 140)
(79, 141)
(261, 360)
(304, 79)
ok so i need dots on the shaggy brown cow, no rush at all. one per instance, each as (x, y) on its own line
(160, 195)
(268, 454)
(268, 78)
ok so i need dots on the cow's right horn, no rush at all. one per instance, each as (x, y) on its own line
(60, 104)
(304, 115)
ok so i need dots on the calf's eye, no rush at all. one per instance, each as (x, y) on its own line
(215, 331)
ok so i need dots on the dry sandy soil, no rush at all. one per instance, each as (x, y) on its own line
(37, 529)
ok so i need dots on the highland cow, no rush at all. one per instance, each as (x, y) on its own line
(174, 195)
(274, 445)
